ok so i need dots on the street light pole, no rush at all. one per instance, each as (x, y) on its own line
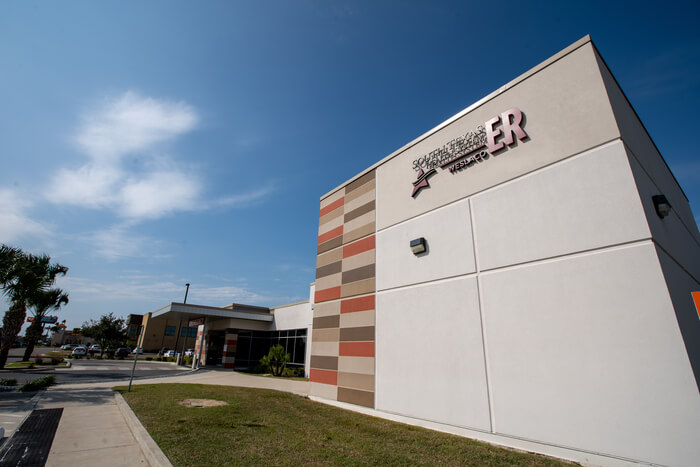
(186, 290)
(184, 341)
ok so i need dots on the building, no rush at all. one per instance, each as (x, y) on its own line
(234, 336)
(520, 274)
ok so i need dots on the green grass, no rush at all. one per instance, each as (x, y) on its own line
(264, 427)
(31, 364)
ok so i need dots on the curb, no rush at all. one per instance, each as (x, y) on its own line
(149, 448)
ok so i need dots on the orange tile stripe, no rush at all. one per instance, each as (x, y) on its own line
(331, 207)
(337, 232)
(357, 304)
(696, 299)
(358, 247)
(327, 294)
(356, 349)
(323, 376)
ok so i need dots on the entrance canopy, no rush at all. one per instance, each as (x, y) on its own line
(187, 312)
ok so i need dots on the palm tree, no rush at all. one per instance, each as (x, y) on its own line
(22, 276)
(42, 302)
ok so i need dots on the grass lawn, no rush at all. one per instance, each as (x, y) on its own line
(264, 427)
(32, 364)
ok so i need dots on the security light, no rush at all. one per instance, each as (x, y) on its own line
(418, 246)
(662, 206)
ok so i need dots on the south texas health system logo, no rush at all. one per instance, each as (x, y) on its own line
(472, 148)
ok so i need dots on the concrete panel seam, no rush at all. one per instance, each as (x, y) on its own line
(149, 448)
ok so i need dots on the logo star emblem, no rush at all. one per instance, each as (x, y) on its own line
(422, 181)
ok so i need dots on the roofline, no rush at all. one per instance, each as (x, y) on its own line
(288, 304)
(537, 68)
(212, 311)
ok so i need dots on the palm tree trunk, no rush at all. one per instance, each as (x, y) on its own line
(33, 333)
(11, 325)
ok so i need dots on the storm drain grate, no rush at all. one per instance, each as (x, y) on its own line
(31, 443)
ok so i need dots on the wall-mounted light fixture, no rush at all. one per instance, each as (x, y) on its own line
(661, 205)
(418, 246)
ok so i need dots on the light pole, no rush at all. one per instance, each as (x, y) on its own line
(186, 290)
(184, 341)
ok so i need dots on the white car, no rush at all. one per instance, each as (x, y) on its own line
(189, 353)
(170, 353)
(79, 351)
(68, 346)
(137, 350)
(95, 348)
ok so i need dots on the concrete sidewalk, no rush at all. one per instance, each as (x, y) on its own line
(93, 430)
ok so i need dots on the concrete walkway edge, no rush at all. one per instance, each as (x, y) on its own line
(150, 449)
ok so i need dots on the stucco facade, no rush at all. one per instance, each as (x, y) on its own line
(552, 310)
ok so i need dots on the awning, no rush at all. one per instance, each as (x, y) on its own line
(185, 312)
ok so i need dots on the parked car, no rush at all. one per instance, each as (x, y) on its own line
(95, 348)
(79, 351)
(68, 346)
(170, 353)
(189, 353)
(122, 352)
(137, 350)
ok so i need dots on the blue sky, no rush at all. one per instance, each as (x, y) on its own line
(149, 144)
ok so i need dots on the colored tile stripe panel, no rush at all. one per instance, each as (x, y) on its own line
(357, 304)
(357, 397)
(331, 234)
(328, 269)
(323, 376)
(327, 294)
(359, 246)
(359, 334)
(356, 349)
(324, 362)
(358, 274)
(331, 207)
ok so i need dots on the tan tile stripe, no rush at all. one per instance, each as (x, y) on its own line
(360, 201)
(358, 260)
(359, 191)
(356, 381)
(330, 225)
(329, 349)
(357, 319)
(326, 309)
(325, 391)
(359, 182)
(328, 258)
(365, 208)
(331, 215)
(355, 396)
(357, 288)
(354, 275)
(332, 198)
(360, 334)
(368, 229)
(363, 365)
(358, 222)
(328, 335)
(326, 282)
(324, 363)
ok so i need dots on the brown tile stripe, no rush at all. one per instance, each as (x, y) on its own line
(330, 216)
(364, 209)
(365, 333)
(326, 322)
(330, 257)
(356, 381)
(329, 269)
(324, 363)
(364, 272)
(362, 287)
(359, 191)
(337, 232)
(359, 232)
(359, 182)
(330, 244)
(354, 396)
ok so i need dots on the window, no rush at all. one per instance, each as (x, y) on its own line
(169, 330)
(190, 332)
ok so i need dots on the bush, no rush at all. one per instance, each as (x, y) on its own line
(39, 361)
(148, 359)
(276, 359)
(294, 371)
(188, 361)
(8, 382)
(38, 384)
(56, 360)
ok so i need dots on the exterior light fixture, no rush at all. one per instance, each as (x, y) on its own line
(661, 205)
(418, 246)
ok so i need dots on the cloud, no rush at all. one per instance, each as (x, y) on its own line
(132, 123)
(118, 242)
(116, 132)
(15, 225)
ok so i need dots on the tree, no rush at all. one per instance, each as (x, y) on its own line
(22, 277)
(109, 331)
(41, 303)
(276, 359)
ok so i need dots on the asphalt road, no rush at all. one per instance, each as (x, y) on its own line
(89, 371)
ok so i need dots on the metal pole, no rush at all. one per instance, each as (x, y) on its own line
(181, 360)
(186, 290)
(136, 356)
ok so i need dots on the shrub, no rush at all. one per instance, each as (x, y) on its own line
(39, 361)
(38, 384)
(276, 359)
(8, 382)
(188, 361)
(56, 360)
(148, 359)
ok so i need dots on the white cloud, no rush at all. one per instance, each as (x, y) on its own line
(118, 242)
(136, 126)
(131, 124)
(15, 225)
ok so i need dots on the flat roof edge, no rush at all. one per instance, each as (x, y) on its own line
(288, 304)
(542, 65)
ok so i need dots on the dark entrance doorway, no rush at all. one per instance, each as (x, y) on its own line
(215, 348)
